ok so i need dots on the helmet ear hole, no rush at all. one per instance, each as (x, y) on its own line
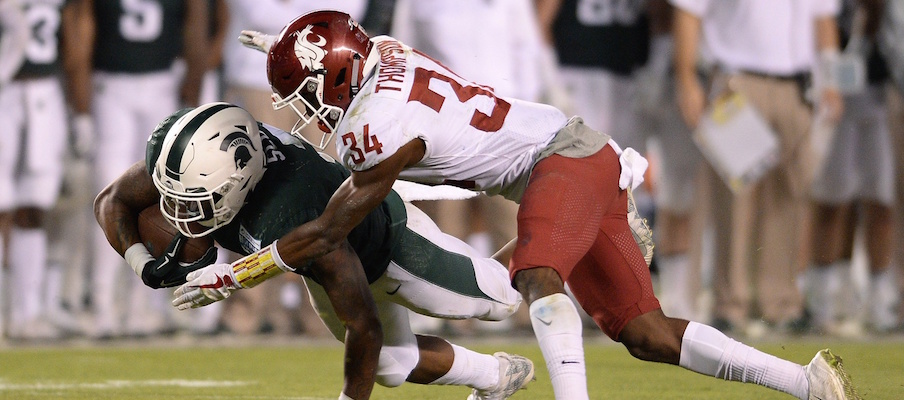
(340, 78)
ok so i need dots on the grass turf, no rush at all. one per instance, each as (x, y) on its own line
(305, 371)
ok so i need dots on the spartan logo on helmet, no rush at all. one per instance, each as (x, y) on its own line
(241, 142)
(310, 54)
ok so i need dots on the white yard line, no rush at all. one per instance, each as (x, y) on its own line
(121, 384)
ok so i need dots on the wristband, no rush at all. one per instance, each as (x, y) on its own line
(137, 256)
(278, 260)
(343, 396)
(253, 269)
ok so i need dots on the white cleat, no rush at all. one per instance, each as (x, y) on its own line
(828, 380)
(515, 372)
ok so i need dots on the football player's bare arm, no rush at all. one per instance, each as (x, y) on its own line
(195, 37)
(117, 206)
(504, 254)
(342, 277)
(690, 96)
(353, 200)
(78, 38)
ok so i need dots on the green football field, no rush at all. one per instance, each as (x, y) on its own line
(283, 368)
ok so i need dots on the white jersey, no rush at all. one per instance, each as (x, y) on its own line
(474, 138)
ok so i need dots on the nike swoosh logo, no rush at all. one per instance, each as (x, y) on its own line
(570, 362)
(547, 323)
(216, 285)
(166, 258)
(394, 291)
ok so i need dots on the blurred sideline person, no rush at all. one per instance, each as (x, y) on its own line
(127, 82)
(215, 170)
(764, 51)
(855, 192)
(35, 135)
(890, 41)
(246, 85)
(402, 115)
(676, 163)
(14, 32)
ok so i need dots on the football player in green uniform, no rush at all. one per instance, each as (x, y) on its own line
(215, 170)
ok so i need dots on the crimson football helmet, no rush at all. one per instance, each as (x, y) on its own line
(317, 60)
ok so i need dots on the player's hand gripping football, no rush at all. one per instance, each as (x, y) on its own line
(206, 286)
(167, 271)
(256, 40)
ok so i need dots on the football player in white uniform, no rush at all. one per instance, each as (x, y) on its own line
(399, 114)
(31, 161)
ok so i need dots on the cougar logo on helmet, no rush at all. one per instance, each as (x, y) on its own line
(316, 66)
(310, 54)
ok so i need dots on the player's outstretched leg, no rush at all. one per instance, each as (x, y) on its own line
(707, 351)
(490, 377)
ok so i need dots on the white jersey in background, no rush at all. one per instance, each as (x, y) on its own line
(474, 138)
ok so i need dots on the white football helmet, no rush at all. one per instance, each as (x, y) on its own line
(209, 159)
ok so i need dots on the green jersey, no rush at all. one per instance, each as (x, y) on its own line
(295, 189)
(296, 186)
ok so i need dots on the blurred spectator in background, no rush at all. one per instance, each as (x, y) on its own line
(128, 80)
(599, 45)
(281, 310)
(13, 37)
(764, 51)
(855, 191)
(675, 166)
(496, 42)
(891, 44)
(218, 19)
(14, 33)
(35, 134)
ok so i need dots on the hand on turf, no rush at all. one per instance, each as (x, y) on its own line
(256, 40)
(206, 286)
(167, 271)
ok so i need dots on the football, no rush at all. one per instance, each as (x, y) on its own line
(157, 233)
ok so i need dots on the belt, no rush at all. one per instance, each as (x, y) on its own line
(797, 77)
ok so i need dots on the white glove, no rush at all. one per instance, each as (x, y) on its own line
(256, 40)
(633, 167)
(206, 286)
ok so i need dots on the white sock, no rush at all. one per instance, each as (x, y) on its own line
(472, 369)
(823, 287)
(674, 286)
(707, 351)
(28, 266)
(557, 326)
(884, 297)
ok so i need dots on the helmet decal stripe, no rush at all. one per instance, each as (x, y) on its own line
(174, 161)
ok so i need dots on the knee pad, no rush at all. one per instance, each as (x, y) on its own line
(396, 363)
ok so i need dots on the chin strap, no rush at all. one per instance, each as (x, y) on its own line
(356, 68)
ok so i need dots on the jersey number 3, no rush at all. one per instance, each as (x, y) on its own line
(421, 93)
